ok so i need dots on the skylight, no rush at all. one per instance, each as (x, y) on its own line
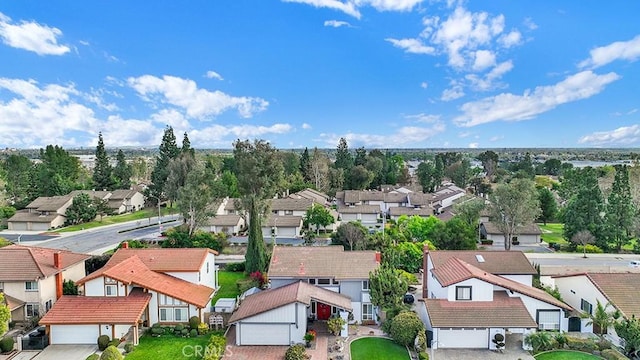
(480, 258)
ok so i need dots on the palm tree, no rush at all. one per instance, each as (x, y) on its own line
(602, 319)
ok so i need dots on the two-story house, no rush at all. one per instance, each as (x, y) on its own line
(32, 277)
(41, 214)
(136, 287)
(465, 304)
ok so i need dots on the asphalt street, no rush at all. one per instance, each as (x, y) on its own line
(566, 263)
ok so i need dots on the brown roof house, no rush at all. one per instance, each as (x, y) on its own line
(229, 224)
(471, 296)
(583, 291)
(41, 214)
(32, 277)
(279, 226)
(526, 234)
(136, 287)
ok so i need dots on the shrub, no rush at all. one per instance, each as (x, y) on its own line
(335, 325)
(296, 352)
(194, 321)
(114, 342)
(408, 277)
(157, 331)
(215, 348)
(103, 342)
(560, 339)
(235, 267)
(539, 341)
(184, 332)
(193, 333)
(421, 341)
(405, 327)
(591, 249)
(111, 353)
(246, 284)
(6, 344)
(612, 354)
(423, 356)
(179, 327)
(259, 277)
(129, 347)
(93, 357)
(203, 328)
(584, 345)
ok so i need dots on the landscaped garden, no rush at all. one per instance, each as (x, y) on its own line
(168, 347)
(375, 348)
(566, 355)
(552, 233)
(227, 287)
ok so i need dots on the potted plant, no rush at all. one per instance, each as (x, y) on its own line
(309, 337)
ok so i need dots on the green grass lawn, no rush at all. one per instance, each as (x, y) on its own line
(566, 355)
(116, 219)
(552, 233)
(374, 348)
(168, 347)
(227, 285)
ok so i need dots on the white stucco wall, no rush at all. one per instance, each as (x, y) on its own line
(480, 290)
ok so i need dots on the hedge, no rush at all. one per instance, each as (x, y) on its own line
(612, 354)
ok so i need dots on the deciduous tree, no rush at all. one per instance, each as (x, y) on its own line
(352, 235)
(513, 205)
(5, 314)
(18, 184)
(585, 209)
(81, 210)
(319, 216)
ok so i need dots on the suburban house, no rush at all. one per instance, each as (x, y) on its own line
(230, 206)
(367, 215)
(529, 234)
(41, 214)
(466, 294)
(290, 207)
(583, 291)
(445, 197)
(396, 212)
(31, 277)
(125, 200)
(313, 195)
(331, 268)
(279, 316)
(228, 224)
(136, 287)
(289, 226)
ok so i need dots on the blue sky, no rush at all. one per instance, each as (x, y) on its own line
(381, 73)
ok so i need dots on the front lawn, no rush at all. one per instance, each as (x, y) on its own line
(566, 355)
(227, 285)
(375, 348)
(552, 233)
(168, 347)
(117, 219)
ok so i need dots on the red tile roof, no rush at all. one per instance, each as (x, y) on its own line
(23, 263)
(496, 262)
(71, 309)
(456, 270)
(321, 261)
(165, 260)
(300, 292)
(503, 311)
(133, 270)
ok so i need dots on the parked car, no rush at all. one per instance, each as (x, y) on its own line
(634, 263)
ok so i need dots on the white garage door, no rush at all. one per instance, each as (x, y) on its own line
(287, 232)
(74, 334)
(264, 334)
(463, 338)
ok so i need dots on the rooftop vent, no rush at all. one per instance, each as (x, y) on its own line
(480, 258)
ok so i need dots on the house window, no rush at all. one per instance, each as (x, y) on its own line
(463, 292)
(365, 285)
(180, 314)
(367, 311)
(111, 290)
(32, 310)
(288, 212)
(586, 306)
(335, 282)
(1, 286)
(313, 307)
(548, 319)
(312, 281)
(48, 305)
(31, 286)
(324, 281)
(108, 280)
(165, 315)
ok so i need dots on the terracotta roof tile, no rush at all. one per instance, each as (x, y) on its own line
(132, 270)
(496, 262)
(19, 262)
(503, 311)
(97, 309)
(621, 289)
(321, 261)
(12, 302)
(296, 292)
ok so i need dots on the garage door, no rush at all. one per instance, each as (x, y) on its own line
(17, 225)
(264, 334)
(287, 232)
(74, 334)
(463, 338)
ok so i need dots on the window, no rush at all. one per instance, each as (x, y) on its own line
(312, 281)
(336, 282)
(288, 212)
(463, 292)
(165, 315)
(365, 285)
(324, 281)
(586, 306)
(548, 319)
(31, 286)
(1, 286)
(108, 280)
(32, 310)
(47, 305)
(111, 290)
(367, 311)
(313, 307)
(180, 314)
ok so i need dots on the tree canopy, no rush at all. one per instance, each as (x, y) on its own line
(513, 205)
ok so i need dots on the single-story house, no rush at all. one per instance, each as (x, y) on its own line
(279, 316)
(228, 224)
(528, 234)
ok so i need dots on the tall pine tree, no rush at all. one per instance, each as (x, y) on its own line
(305, 166)
(168, 151)
(620, 210)
(122, 172)
(585, 208)
(102, 172)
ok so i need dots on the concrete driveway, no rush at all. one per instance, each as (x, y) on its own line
(475, 354)
(66, 352)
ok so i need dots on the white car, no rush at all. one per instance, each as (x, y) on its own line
(634, 263)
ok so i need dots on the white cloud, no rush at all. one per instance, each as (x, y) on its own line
(454, 92)
(31, 36)
(347, 7)
(625, 135)
(138, 132)
(632, 111)
(510, 107)
(198, 103)
(306, 126)
(218, 135)
(511, 39)
(97, 97)
(414, 46)
(464, 134)
(424, 118)
(173, 118)
(496, 138)
(619, 50)
(488, 81)
(529, 24)
(484, 59)
(213, 75)
(408, 136)
(424, 85)
(336, 23)
(389, 5)
(473, 145)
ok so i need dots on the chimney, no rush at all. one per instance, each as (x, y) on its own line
(57, 263)
(378, 257)
(125, 244)
(425, 271)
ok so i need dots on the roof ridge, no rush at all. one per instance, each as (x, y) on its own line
(35, 261)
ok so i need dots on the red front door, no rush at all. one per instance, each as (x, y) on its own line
(324, 311)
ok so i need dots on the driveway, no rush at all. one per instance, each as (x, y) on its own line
(66, 352)
(475, 354)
